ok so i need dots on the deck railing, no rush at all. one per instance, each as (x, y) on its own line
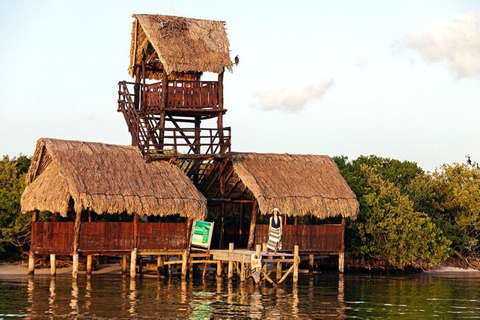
(323, 238)
(101, 237)
(202, 95)
(154, 141)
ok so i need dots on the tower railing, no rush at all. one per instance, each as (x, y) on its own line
(156, 141)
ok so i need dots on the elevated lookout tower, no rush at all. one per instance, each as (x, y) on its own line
(166, 104)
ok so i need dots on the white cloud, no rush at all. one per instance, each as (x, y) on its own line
(457, 42)
(292, 99)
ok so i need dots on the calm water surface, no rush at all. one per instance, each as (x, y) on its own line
(413, 296)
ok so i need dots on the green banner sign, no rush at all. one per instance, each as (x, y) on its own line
(202, 234)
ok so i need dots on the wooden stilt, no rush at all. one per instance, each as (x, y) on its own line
(296, 261)
(184, 263)
(230, 262)
(253, 222)
(219, 269)
(190, 268)
(75, 266)
(242, 271)
(311, 262)
(133, 263)
(341, 255)
(31, 263)
(76, 243)
(279, 271)
(341, 262)
(31, 254)
(89, 264)
(53, 265)
(124, 264)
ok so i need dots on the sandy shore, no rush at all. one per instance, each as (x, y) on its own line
(21, 269)
(453, 269)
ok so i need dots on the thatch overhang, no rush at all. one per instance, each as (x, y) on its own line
(106, 179)
(178, 45)
(299, 185)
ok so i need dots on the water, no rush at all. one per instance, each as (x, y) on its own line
(412, 296)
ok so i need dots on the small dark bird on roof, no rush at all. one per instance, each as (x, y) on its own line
(236, 60)
(469, 161)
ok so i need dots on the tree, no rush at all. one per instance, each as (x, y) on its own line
(388, 227)
(13, 225)
(457, 187)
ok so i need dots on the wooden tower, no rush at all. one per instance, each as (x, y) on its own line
(168, 104)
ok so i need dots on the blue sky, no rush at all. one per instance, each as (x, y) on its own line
(397, 79)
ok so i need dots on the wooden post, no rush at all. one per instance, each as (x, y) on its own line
(341, 262)
(222, 206)
(242, 270)
(341, 254)
(219, 268)
(133, 263)
(230, 262)
(311, 262)
(184, 263)
(264, 248)
(124, 264)
(189, 232)
(31, 254)
(75, 266)
(296, 261)
(220, 114)
(89, 264)
(76, 243)
(53, 265)
(251, 236)
(279, 271)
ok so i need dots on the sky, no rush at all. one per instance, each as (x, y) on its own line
(397, 79)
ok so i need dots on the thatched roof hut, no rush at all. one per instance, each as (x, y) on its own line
(299, 185)
(178, 45)
(106, 179)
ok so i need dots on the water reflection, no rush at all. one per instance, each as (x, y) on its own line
(51, 298)
(319, 296)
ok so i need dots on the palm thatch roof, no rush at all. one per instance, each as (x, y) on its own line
(298, 185)
(106, 179)
(179, 44)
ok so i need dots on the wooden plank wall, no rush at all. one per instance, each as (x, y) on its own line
(57, 237)
(162, 236)
(106, 236)
(324, 238)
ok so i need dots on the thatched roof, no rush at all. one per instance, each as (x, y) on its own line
(106, 179)
(299, 185)
(179, 44)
